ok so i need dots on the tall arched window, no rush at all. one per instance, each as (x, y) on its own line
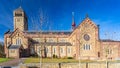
(61, 50)
(53, 50)
(18, 41)
(46, 50)
(69, 50)
(86, 47)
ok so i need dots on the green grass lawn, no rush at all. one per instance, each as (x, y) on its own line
(56, 60)
(4, 59)
(49, 60)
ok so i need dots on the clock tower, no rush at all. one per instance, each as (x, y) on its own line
(20, 20)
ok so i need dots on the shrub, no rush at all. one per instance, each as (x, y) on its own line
(69, 57)
(55, 56)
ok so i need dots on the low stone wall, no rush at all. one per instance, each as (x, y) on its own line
(37, 65)
(72, 65)
(97, 65)
(114, 65)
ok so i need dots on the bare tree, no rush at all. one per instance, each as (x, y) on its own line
(42, 21)
(79, 42)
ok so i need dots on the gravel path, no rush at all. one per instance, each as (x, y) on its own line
(14, 62)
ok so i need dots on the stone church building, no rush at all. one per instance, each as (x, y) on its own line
(81, 43)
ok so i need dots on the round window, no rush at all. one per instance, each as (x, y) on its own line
(86, 37)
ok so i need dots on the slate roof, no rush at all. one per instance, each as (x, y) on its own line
(48, 32)
(109, 40)
(55, 43)
(14, 47)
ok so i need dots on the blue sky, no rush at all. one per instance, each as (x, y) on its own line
(58, 14)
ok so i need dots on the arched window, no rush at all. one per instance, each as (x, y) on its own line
(46, 50)
(86, 47)
(98, 54)
(37, 40)
(50, 40)
(54, 50)
(61, 50)
(109, 51)
(12, 51)
(69, 50)
(18, 41)
(62, 40)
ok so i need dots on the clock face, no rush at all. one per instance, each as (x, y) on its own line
(86, 37)
(17, 20)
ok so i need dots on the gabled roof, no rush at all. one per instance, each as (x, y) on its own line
(49, 32)
(86, 20)
(7, 32)
(108, 40)
(14, 47)
(16, 31)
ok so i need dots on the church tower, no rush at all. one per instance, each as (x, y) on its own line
(20, 20)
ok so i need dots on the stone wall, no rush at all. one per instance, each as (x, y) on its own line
(72, 65)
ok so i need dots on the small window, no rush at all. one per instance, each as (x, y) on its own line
(98, 54)
(62, 40)
(109, 51)
(50, 40)
(18, 20)
(37, 40)
(12, 51)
